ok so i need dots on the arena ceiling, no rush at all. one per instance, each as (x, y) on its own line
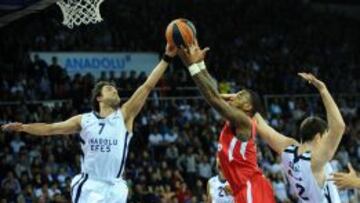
(11, 10)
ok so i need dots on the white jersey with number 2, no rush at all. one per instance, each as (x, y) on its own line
(298, 171)
(217, 191)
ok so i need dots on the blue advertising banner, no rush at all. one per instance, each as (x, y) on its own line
(97, 62)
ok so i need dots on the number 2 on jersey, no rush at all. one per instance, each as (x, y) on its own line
(301, 191)
(102, 125)
(221, 191)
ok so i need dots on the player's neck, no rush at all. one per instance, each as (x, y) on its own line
(105, 111)
(221, 179)
(305, 147)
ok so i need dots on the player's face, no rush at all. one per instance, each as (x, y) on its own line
(242, 101)
(110, 96)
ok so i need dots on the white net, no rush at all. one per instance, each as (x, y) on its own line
(77, 12)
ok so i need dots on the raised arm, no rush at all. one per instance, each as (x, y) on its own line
(133, 106)
(69, 126)
(204, 81)
(277, 141)
(329, 142)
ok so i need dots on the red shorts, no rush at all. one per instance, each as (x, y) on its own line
(257, 190)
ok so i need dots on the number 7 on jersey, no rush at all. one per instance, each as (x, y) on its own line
(102, 127)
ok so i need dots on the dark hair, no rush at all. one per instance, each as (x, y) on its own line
(95, 92)
(256, 103)
(310, 127)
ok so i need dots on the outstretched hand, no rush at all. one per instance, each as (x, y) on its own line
(16, 127)
(313, 80)
(171, 50)
(192, 54)
(345, 180)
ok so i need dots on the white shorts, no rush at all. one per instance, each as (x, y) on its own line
(84, 189)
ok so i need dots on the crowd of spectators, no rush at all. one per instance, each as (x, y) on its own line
(171, 156)
(258, 44)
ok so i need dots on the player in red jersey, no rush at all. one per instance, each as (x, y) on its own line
(237, 148)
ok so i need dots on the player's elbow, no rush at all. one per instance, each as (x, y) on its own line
(341, 127)
(54, 129)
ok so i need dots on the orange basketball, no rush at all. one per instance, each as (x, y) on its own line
(180, 32)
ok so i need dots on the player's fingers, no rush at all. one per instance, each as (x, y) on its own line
(171, 47)
(183, 49)
(181, 52)
(192, 48)
(196, 42)
(339, 175)
(334, 179)
(350, 167)
(206, 49)
(7, 127)
(304, 76)
(312, 77)
(338, 183)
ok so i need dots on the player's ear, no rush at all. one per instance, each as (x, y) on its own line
(318, 137)
(99, 98)
(247, 107)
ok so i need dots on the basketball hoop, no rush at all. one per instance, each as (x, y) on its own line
(77, 12)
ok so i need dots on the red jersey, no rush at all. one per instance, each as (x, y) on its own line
(238, 161)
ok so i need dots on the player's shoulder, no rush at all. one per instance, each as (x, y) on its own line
(89, 115)
(291, 149)
(289, 152)
(213, 180)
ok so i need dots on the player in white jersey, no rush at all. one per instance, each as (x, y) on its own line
(105, 134)
(306, 164)
(218, 188)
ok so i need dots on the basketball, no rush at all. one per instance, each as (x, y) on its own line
(180, 32)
